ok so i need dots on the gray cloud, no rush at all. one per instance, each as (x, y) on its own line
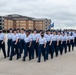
(62, 12)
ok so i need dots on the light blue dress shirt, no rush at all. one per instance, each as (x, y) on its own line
(2, 36)
(22, 36)
(64, 38)
(54, 38)
(27, 39)
(42, 40)
(9, 35)
(14, 37)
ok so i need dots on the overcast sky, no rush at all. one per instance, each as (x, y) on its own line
(61, 12)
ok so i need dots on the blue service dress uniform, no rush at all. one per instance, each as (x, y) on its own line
(68, 42)
(51, 48)
(54, 44)
(18, 43)
(72, 41)
(64, 43)
(14, 46)
(34, 45)
(74, 38)
(22, 43)
(41, 48)
(27, 40)
(2, 44)
(48, 45)
(60, 44)
(9, 43)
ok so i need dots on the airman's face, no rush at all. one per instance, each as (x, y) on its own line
(17, 31)
(54, 33)
(34, 32)
(48, 32)
(27, 33)
(10, 31)
(14, 32)
(22, 31)
(58, 33)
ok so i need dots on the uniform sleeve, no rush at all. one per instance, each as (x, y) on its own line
(45, 40)
(73, 37)
(56, 37)
(20, 36)
(30, 37)
(17, 36)
(23, 37)
(7, 35)
(66, 38)
(38, 36)
(4, 36)
(51, 38)
(12, 36)
(61, 37)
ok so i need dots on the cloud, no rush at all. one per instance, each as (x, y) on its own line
(61, 12)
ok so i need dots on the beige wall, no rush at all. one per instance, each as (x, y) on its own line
(21, 24)
(26, 24)
(39, 25)
(30, 25)
(8, 24)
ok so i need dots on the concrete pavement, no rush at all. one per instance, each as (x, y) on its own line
(61, 65)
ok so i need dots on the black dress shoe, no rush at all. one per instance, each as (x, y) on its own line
(23, 59)
(10, 59)
(56, 55)
(32, 58)
(44, 59)
(29, 58)
(36, 56)
(5, 57)
(38, 61)
(17, 58)
(51, 57)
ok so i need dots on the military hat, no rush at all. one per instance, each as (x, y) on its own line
(42, 32)
(18, 29)
(14, 30)
(10, 29)
(22, 29)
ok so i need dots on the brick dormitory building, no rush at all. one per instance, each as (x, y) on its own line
(19, 21)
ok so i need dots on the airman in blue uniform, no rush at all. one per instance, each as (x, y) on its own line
(74, 37)
(72, 40)
(2, 42)
(59, 41)
(54, 43)
(22, 41)
(9, 42)
(34, 44)
(64, 42)
(68, 41)
(41, 47)
(27, 45)
(14, 46)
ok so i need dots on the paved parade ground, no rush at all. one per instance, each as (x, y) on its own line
(61, 65)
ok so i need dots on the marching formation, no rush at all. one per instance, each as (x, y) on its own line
(27, 43)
